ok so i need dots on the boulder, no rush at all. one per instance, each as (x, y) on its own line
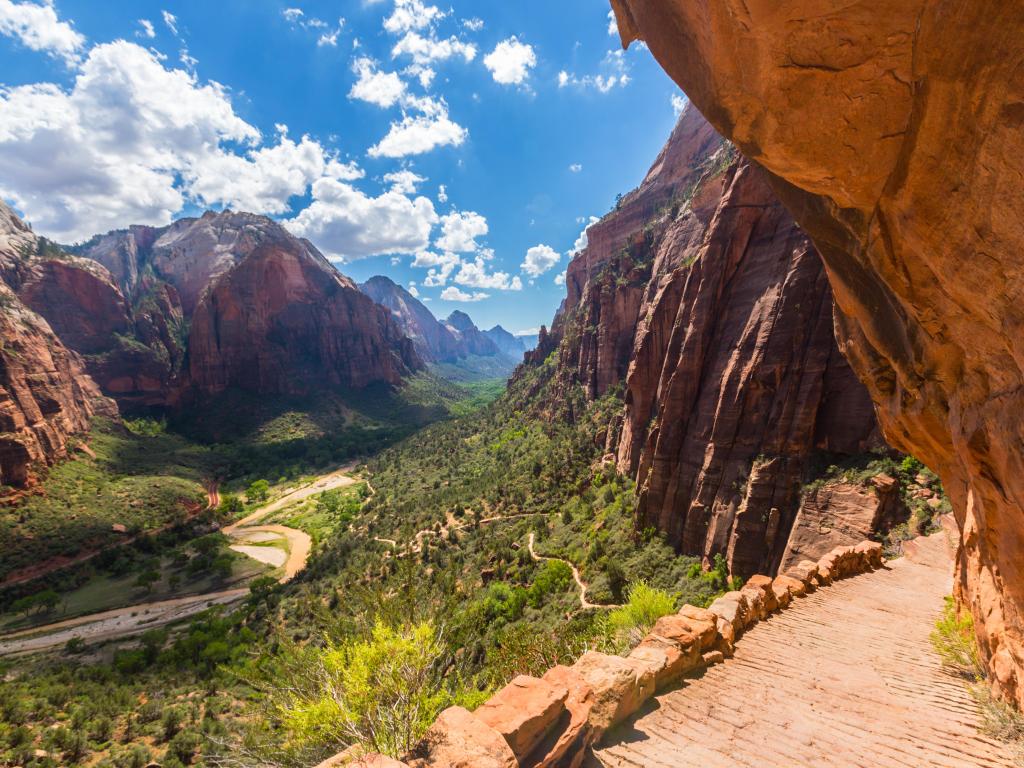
(726, 638)
(764, 583)
(620, 686)
(524, 711)
(702, 623)
(795, 587)
(683, 630)
(713, 657)
(734, 608)
(871, 551)
(782, 595)
(566, 745)
(670, 660)
(457, 739)
(806, 571)
(755, 600)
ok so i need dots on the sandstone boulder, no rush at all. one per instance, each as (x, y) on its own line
(566, 745)
(620, 686)
(726, 638)
(457, 739)
(357, 757)
(670, 660)
(795, 587)
(734, 608)
(524, 711)
(685, 631)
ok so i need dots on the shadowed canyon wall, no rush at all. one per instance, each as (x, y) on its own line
(892, 129)
(703, 299)
(45, 394)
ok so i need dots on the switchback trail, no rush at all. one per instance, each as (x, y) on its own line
(847, 678)
(584, 603)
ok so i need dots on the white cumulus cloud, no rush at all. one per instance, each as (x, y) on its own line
(415, 135)
(511, 61)
(411, 14)
(575, 168)
(474, 274)
(560, 278)
(385, 89)
(347, 224)
(678, 103)
(425, 50)
(132, 141)
(405, 182)
(539, 259)
(460, 230)
(614, 74)
(451, 293)
(39, 28)
(147, 29)
(582, 240)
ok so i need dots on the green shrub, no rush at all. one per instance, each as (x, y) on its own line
(644, 606)
(382, 692)
(953, 639)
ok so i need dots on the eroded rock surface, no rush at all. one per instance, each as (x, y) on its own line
(704, 299)
(892, 130)
(45, 394)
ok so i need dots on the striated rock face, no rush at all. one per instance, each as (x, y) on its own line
(840, 514)
(45, 394)
(284, 321)
(892, 130)
(433, 340)
(702, 297)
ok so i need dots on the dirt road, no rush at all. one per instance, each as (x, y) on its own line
(133, 619)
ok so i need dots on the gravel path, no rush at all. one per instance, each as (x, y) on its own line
(847, 677)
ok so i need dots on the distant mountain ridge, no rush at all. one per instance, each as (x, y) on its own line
(454, 341)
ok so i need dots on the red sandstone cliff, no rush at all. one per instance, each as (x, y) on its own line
(704, 299)
(265, 312)
(284, 322)
(892, 130)
(45, 394)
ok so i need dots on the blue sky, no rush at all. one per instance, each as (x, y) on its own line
(459, 148)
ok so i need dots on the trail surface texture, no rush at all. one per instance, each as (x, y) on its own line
(846, 677)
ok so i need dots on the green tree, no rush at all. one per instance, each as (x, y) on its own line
(147, 579)
(258, 491)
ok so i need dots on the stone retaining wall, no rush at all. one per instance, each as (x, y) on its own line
(552, 720)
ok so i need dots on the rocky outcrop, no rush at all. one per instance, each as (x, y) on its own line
(284, 321)
(433, 340)
(892, 130)
(701, 296)
(840, 513)
(46, 396)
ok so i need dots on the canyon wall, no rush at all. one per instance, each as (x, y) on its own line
(701, 297)
(226, 300)
(892, 130)
(46, 396)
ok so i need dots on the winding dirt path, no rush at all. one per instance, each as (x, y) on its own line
(847, 678)
(584, 603)
(133, 619)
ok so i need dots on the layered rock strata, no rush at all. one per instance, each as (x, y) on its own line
(892, 130)
(703, 299)
(46, 396)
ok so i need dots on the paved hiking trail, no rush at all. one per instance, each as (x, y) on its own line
(846, 677)
(133, 619)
